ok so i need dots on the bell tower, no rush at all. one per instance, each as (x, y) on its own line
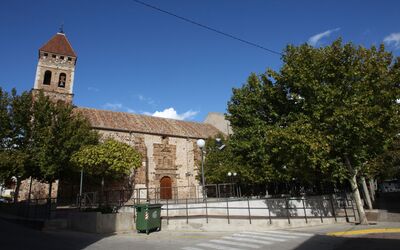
(56, 68)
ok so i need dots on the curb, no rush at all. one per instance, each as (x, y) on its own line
(365, 231)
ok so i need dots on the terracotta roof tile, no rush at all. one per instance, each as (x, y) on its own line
(104, 119)
(59, 44)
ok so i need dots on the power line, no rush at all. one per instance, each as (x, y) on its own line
(207, 27)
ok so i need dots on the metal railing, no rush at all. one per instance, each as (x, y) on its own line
(282, 208)
(178, 195)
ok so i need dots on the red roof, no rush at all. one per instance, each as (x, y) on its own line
(59, 44)
(110, 120)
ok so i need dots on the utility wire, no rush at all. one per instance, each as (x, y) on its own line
(207, 27)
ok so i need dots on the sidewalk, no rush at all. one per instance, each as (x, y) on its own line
(352, 229)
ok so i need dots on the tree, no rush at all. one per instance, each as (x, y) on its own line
(387, 165)
(15, 137)
(110, 158)
(218, 161)
(38, 137)
(58, 132)
(329, 110)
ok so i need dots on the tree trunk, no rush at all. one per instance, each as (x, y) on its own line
(101, 192)
(356, 193)
(357, 197)
(366, 192)
(371, 189)
(16, 192)
(50, 186)
(30, 191)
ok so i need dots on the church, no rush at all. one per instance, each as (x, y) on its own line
(170, 155)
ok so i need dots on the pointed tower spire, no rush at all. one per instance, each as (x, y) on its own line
(56, 68)
(61, 29)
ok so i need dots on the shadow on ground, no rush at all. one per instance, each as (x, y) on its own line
(367, 242)
(15, 236)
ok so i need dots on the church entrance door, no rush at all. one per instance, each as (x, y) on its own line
(165, 188)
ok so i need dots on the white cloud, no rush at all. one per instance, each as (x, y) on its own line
(113, 106)
(118, 107)
(313, 41)
(394, 39)
(172, 114)
(93, 89)
(148, 100)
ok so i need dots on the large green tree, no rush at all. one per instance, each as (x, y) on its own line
(57, 133)
(38, 137)
(15, 137)
(110, 158)
(328, 110)
(219, 160)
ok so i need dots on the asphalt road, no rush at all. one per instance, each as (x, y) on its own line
(14, 236)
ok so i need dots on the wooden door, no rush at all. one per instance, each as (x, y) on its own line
(165, 188)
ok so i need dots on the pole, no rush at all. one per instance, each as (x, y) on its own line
(147, 179)
(80, 186)
(202, 174)
(30, 191)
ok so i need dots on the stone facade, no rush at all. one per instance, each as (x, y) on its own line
(218, 120)
(39, 190)
(173, 157)
(55, 70)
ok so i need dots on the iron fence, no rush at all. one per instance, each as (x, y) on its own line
(250, 209)
(154, 195)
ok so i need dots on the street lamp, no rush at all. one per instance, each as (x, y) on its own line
(201, 143)
(231, 175)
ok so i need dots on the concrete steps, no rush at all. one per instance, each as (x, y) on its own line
(55, 224)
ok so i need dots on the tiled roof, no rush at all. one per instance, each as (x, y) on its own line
(59, 44)
(120, 121)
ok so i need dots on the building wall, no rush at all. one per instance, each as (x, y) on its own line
(172, 157)
(57, 66)
(218, 120)
(39, 190)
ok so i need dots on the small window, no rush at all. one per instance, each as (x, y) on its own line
(69, 59)
(47, 77)
(54, 56)
(61, 80)
(61, 57)
(45, 54)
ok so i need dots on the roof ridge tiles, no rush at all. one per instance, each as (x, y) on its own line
(59, 44)
(117, 120)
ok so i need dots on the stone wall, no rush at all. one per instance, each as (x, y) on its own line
(39, 190)
(57, 64)
(173, 157)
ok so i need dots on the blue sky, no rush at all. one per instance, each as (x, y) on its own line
(134, 59)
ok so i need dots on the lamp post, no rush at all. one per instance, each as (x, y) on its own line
(232, 175)
(80, 188)
(201, 143)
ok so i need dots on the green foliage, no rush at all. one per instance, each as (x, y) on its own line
(218, 162)
(38, 137)
(15, 135)
(111, 158)
(387, 164)
(323, 106)
(57, 134)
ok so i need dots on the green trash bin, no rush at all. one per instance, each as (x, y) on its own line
(148, 217)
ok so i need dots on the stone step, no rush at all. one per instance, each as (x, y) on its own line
(55, 224)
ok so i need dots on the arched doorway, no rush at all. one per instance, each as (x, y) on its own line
(165, 188)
